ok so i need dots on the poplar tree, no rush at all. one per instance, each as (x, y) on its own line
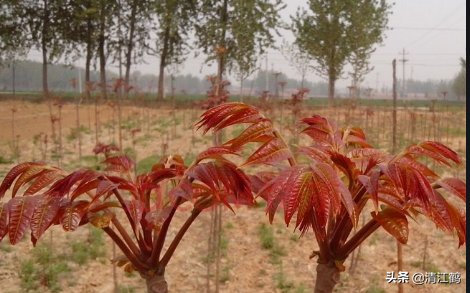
(335, 32)
(233, 33)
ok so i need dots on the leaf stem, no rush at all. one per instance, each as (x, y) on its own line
(174, 244)
(126, 236)
(139, 265)
(159, 239)
(358, 238)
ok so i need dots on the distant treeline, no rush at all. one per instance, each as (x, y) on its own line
(28, 77)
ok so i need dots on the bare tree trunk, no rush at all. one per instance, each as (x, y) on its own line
(163, 63)
(401, 288)
(331, 91)
(102, 56)
(130, 47)
(45, 28)
(156, 284)
(327, 278)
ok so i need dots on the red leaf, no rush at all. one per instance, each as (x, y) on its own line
(372, 185)
(317, 154)
(100, 220)
(455, 187)
(43, 180)
(119, 164)
(30, 173)
(356, 141)
(43, 215)
(72, 214)
(434, 150)
(247, 115)
(215, 153)
(63, 186)
(3, 220)
(394, 222)
(328, 181)
(155, 219)
(259, 129)
(460, 223)
(271, 152)
(105, 187)
(273, 191)
(411, 162)
(124, 184)
(183, 190)
(345, 165)
(227, 114)
(11, 176)
(298, 188)
(441, 149)
(259, 180)
(84, 187)
(439, 212)
(320, 136)
(99, 206)
(366, 159)
(20, 212)
(136, 210)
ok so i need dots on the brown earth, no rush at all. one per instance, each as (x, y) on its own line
(248, 268)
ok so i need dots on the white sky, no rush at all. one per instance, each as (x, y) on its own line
(432, 32)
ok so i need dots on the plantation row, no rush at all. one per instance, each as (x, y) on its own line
(257, 146)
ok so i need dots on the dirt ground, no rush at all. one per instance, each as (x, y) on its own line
(247, 267)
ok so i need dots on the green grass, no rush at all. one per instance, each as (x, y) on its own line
(268, 242)
(92, 248)
(75, 131)
(225, 274)
(4, 247)
(145, 165)
(282, 283)
(45, 269)
(4, 160)
(126, 289)
(374, 289)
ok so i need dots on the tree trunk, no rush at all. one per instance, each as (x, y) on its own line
(331, 91)
(327, 278)
(130, 47)
(89, 56)
(163, 57)
(156, 284)
(44, 41)
(102, 56)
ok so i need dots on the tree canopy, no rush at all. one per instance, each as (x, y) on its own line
(335, 32)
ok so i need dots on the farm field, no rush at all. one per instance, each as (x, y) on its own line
(257, 257)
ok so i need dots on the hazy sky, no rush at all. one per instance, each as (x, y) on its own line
(432, 32)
